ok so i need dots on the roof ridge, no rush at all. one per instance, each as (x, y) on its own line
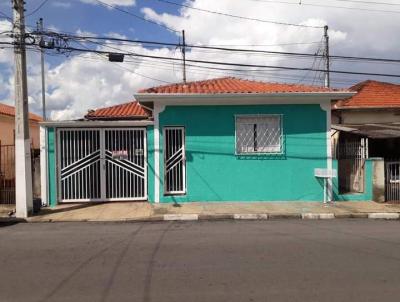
(187, 83)
(279, 83)
(230, 84)
(131, 109)
(366, 82)
(372, 94)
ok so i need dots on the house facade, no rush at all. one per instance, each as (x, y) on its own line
(7, 126)
(221, 140)
(7, 153)
(367, 126)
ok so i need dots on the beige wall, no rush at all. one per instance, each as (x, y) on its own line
(367, 116)
(7, 131)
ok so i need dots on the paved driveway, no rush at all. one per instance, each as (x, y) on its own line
(339, 260)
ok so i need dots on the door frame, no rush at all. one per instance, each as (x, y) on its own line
(392, 186)
(102, 165)
(184, 180)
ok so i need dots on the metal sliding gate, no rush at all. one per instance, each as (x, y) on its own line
(7, 174)
(392, 179)
(351, 155)
(102, 164)
(174, 160)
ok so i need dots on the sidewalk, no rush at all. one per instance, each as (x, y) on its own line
(143, 211)
(5, 210)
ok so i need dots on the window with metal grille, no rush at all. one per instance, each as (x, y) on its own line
(260, 134)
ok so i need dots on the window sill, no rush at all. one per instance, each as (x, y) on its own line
(260, 156)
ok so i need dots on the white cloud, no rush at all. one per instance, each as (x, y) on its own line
(86, 81)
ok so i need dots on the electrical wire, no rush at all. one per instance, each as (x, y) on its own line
(355, 58)
(369, 2)
(5, 16)
(135, 16)
(37, 9)
(234, 64)
(301, 3)
(139, 74)
(236, 16)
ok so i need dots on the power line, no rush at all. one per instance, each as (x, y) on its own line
(263, 45)
(5, 16)
(236, 16)
(207, 70)
(163, 64)
(232, 64)
(37, 9)
(326, 5)
(136, 16)
(9, 18)
(354, 58)
(137, 73)
(240, 72)
(369, 2)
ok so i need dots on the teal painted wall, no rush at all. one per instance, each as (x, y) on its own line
(51, 164)
(215, 173)
(368, 185)
(150, 163)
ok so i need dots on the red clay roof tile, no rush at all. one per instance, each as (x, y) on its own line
(131, 110)
(372, 94)
(10, 111)
(234, 85)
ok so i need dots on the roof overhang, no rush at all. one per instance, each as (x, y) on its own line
(96, 124)
(373, 130)
(365, 108)
(242, 98)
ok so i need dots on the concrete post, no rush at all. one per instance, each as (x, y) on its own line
(23, 168)
(378, 189)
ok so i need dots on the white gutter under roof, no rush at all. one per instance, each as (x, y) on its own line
(160, 97)
(97, 124)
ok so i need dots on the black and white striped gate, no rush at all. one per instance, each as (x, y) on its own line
(102, 164)
(174, 160)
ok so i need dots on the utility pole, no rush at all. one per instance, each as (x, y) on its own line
(40, 29)
(23, 169)
(184, 56)
(326, 54)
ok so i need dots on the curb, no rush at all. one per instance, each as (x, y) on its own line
(284, 216)
(314, 216)
(181, 217)
(214, 217)
(387, 216)
(11, 220)
(351, 215)
(250, 216)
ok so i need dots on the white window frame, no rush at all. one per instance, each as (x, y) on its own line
(280, 116)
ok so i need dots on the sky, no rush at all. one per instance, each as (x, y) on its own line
(77, 81)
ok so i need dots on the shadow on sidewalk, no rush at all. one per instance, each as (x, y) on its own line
(67, 208)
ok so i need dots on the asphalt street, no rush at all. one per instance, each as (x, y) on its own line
(282, 260)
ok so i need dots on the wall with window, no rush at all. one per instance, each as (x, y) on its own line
(249, 152)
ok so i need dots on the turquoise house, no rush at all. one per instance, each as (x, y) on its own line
(220, 140)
